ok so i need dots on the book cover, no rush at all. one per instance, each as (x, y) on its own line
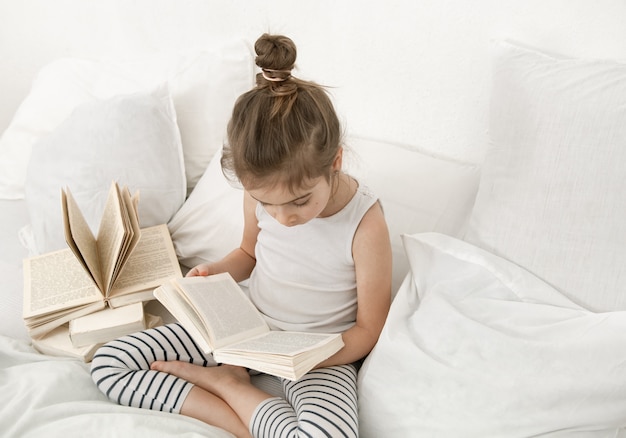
(107, 324)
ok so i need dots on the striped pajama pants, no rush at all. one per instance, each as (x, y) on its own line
(323, 403)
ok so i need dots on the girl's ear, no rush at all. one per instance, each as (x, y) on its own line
(338, 160)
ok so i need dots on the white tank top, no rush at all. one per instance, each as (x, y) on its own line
(304, 278)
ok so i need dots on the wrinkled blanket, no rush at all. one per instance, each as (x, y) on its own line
(476, 346)
(55, 397)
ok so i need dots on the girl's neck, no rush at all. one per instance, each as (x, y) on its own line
(344, 188)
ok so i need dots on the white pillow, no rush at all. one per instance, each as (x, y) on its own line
(419, 191)
(210, 223)
(552, 196)
(489, 350)
(132, 139)
(204, 86)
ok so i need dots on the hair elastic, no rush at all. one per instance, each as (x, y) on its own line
(264, 72)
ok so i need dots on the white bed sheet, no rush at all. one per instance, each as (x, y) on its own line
(13, 216)
(55, 397)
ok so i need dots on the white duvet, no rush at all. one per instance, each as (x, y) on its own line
(475, 346)
(44, 396)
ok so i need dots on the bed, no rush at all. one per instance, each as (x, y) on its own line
(508, 318)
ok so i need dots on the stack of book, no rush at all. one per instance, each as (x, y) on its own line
(81, 337)
(92, 292)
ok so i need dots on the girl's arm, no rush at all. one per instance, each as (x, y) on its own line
(372, 260)
(240, 261)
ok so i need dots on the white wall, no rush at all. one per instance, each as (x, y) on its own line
(411, 72)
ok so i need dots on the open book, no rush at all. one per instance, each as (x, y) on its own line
(223, 321)
(121, 265)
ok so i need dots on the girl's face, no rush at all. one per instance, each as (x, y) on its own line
(295, 208)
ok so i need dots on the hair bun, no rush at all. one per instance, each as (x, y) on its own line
(276, 56)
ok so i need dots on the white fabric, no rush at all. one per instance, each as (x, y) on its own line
(209, 225)
(552, 196)
(13, 217)
(489, 350)
(132, 139)
(304, 278)
(204, 84)
(55, 397)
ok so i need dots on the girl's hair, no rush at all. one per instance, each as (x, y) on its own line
(283, 131)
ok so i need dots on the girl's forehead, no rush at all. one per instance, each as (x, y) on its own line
(280, 184)
(280, 193)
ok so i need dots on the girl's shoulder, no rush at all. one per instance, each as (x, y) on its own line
(359, 199)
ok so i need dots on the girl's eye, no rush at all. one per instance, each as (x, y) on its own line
(301, 203)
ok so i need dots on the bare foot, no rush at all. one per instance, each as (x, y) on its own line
(212, 379)
(229, 383)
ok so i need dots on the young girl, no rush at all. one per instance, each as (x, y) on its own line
(316, 250)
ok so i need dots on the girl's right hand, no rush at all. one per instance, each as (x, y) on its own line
(199, 271)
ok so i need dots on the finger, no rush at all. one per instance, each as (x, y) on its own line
(198, 271)
(203, 271)
(192, 272)
(195, 272)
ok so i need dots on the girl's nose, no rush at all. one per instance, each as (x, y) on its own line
(284, 216)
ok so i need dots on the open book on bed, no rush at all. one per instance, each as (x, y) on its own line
(223, 321)
(120, 265)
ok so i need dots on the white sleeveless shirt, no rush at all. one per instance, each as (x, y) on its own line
(304, 278)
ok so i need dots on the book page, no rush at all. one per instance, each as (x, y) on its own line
(111, 235)
(152, 263)
(133, 216)
(182, 311)
(79, 237)
(284, 354)
(224, 308)
(41, 325)
(123, 252)
(282, 343)
(46, 291)
(133, 233)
